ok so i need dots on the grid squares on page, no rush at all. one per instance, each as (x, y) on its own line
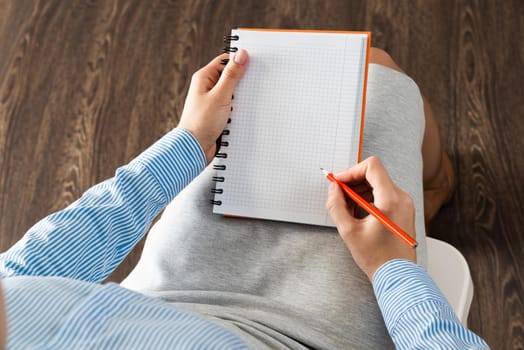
(281, 174)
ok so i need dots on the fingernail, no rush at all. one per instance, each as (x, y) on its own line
(331, 187)
(240, 57)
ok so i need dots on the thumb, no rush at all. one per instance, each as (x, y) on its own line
(338, 209)
(232, 73)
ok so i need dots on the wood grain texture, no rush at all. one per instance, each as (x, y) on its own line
(85, 86)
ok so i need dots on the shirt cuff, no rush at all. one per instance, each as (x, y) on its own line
(401, 285)
(174, 161)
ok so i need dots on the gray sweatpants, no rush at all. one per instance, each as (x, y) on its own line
(283, 285)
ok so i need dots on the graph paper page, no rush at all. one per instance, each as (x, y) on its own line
(297, 108)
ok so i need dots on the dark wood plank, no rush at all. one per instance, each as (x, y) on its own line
(87, 85)
(484, 136)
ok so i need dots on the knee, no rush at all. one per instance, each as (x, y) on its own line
(379, 56)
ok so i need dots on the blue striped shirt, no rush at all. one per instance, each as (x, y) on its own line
(51, 277)
(416, 312)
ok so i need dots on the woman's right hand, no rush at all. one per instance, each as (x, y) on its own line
(369, 242)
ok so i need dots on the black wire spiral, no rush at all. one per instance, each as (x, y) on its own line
(220, 143)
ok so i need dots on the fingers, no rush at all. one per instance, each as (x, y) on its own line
(219, 78)
(338, 208)
(372, 171)
(206, 77)
(232, 73)
(371, 181)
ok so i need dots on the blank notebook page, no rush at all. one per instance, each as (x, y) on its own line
(297, 108)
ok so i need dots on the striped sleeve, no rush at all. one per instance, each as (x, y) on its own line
(88, 239)
(416, 313)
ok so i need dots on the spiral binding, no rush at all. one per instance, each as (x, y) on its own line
(220, 143)
(227, 40)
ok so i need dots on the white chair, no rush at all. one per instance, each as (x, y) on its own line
(450, 271)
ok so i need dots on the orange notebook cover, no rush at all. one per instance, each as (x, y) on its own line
(299, 107)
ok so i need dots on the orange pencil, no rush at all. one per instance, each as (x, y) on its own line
(390, 225)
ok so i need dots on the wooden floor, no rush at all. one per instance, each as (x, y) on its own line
(86, 85)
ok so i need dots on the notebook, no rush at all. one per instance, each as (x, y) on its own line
(299, 107)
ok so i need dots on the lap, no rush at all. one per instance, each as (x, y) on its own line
(393, 131)
(286, 276)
